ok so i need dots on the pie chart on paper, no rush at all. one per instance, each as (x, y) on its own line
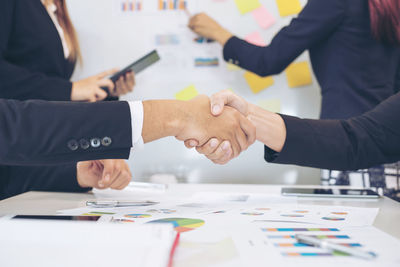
(182, 225)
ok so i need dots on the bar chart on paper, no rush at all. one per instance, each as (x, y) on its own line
(152, 6)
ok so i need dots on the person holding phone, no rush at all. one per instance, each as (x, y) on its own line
(354, 47)
(39, 50)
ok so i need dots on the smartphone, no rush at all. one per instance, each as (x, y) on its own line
(56, 218)
(330, 193)
(136, 67)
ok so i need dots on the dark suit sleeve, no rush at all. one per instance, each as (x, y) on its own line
(21, 179)
(357, 143)
(316, 22)
(38, 132)
(397, 82)
(19, 83)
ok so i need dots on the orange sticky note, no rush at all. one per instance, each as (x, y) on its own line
(298, 74)
(288, 7)
(256, 39)
(246, 6)
(257, 83)
(187, 93)
(263, 17)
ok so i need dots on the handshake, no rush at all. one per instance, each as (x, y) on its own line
(218, 127)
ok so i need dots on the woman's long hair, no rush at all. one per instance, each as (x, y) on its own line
(69, 30)
(385, 20)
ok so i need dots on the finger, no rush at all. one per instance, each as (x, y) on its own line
(227, 98)
(242, 140)
(109, 173)
(131, 81)
(219, 152)
(106, 73)
(249, 129)
(121, 181)
(100, 94)
(209, 148)
(125, 85)
(106, 83)
(191, 143)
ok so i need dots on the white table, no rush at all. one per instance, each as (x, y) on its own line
(388, 219)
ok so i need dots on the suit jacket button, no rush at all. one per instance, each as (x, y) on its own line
(106, 141)
(84, 144)
(73, 145)
(95, 142)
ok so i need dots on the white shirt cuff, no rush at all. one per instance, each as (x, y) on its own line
(136, 108)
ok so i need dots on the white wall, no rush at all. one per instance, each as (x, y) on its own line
(110, 40)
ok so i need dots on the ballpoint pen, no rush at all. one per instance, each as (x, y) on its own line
(309, 240)
(115, 203)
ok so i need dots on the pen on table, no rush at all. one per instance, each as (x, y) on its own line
(115, 203)
(309, 240)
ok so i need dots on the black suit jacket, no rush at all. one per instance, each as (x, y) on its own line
(355, 71)
(44, 133)
(357, 143)
(33, 66)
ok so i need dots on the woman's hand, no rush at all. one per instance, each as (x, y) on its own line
(89, 89)
(124, 85)
(102, 174)
(207, 27)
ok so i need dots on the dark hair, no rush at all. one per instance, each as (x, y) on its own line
(385, 20)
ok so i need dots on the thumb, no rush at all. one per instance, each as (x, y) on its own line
(108, 169)
(107, 73)
(191, 143)
(227, 98)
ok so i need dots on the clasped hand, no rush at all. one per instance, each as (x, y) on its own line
(221, 134)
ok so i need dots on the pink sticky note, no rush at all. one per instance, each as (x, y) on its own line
(256, 39)
(263, 17)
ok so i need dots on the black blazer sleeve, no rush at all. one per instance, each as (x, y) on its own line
(20, 83)
(20, 179)
(397, 82)
(41, 133)
(357, 143)
(318, 19)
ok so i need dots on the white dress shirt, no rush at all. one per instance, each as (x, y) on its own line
(137, 115)
(51, 9)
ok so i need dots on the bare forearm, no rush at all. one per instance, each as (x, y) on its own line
(162, 118)
(271, 129)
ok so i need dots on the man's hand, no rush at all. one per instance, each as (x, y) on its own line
(217, 152)
(202, 126)
(102, 174)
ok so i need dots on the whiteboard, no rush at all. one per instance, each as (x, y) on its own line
(111, 38)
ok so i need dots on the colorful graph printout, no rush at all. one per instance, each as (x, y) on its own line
(172, 4)
(137, 215)
(182, 224)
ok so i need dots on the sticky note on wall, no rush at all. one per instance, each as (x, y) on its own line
(257, 83)
(255, 38)
(288, 7)
(263, 17)
(246, 6)
(273, 105)
(187, 93)
(298, 74)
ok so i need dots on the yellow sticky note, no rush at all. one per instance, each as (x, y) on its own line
(288, 7)
(257, 83)
(232, 67)
(273, 105)
(246, 6)
(187, 93)
(298, 74)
